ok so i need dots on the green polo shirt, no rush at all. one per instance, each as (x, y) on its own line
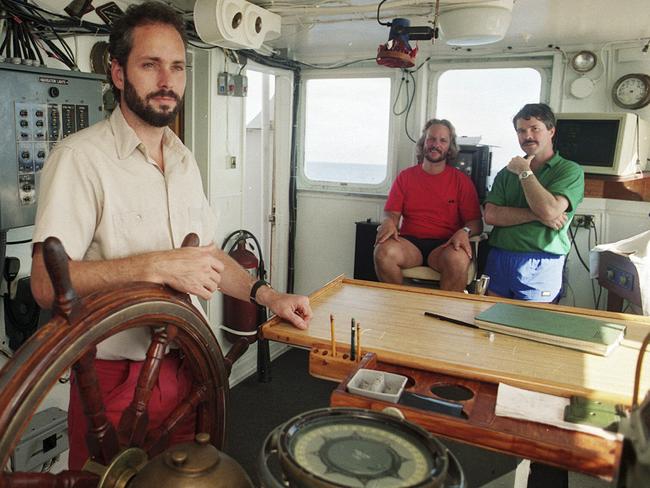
(560, 177)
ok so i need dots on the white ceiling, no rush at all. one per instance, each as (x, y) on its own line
(535, 24)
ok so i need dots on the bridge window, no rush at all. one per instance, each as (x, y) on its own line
(482, 102)
(346, 133)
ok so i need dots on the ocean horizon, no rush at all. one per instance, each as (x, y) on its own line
(369, 174)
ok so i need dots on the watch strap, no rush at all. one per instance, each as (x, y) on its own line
(256, 286)
(468, 230)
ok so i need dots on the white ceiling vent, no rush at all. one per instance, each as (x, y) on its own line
(235, 24)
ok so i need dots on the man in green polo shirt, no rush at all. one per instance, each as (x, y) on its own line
(531, 205)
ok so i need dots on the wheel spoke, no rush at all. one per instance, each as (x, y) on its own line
(65, 479)
(135, 419)
(56, 262)
(158, 439)
(101, 438)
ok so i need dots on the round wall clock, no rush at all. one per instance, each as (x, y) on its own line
(632, 91)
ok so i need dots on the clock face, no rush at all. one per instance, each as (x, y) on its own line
(632, 91)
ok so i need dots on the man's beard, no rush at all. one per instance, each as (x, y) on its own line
(146, 112)
(442, 157)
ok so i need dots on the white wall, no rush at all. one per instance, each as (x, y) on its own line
(326, 233)
(215, 128)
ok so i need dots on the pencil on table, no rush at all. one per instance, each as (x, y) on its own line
(353, 330)
(358, 341)
(332, 333)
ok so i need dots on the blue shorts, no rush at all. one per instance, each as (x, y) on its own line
(532, 276)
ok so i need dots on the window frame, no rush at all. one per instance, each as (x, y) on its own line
(543, 64)
(307, 184)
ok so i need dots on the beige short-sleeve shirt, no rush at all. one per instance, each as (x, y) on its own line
(105, 198)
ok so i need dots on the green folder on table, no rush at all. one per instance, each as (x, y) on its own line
(596, 336)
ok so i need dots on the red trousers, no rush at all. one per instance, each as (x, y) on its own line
(118, 380)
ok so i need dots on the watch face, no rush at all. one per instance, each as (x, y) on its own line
(632, 91)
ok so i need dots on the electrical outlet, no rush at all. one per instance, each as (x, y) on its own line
(586, 221)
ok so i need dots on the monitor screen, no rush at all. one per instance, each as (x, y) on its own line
(588, 141)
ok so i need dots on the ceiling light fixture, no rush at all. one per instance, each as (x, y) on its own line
(584, 61)
(475, 23)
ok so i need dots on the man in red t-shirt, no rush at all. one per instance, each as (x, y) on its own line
(439, 209)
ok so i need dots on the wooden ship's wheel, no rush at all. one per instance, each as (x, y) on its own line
(69, 340)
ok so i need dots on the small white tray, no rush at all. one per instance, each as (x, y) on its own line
(377, 384)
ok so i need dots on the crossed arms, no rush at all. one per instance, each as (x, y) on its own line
(544, 207)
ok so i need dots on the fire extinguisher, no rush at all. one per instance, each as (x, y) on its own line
(241, 318)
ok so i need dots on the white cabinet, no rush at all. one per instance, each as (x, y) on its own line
(625, 219)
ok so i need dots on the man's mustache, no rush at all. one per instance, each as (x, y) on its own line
(164, 93)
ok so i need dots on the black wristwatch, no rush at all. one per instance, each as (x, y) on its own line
(256, 286)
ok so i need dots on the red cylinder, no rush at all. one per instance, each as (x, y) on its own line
(238, 314)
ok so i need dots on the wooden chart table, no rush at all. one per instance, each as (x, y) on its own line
(404, 340)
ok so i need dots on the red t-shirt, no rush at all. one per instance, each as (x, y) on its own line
(433, 206)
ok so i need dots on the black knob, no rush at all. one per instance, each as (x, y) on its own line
(39, 113)
(39, 123)
(53, 91)
(41, 154)
(23, 123)
(23, 113)
(24, 154)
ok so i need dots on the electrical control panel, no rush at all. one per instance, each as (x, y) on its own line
(38, 107)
